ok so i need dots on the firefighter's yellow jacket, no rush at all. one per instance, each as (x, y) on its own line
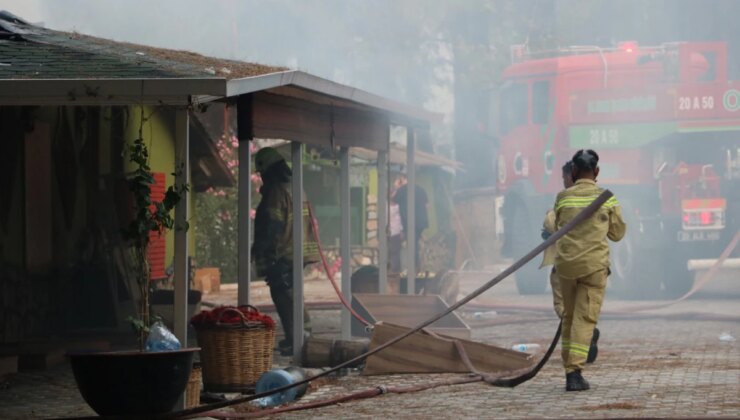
(585, 250)
(548, 225)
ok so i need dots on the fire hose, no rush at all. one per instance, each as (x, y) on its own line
(631, 310)
(357, 395)
(497, 381)
(382, 389)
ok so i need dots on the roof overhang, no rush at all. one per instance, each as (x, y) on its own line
(397, 156)
(325, 92)
(208, 168)
(109, 92)
(289, 105)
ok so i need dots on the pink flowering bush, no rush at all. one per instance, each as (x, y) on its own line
(217, 216)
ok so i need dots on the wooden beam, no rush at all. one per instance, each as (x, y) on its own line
(282, 117)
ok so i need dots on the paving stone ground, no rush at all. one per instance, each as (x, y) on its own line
(648, 367)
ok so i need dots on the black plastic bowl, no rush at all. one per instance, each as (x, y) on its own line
(132, 383)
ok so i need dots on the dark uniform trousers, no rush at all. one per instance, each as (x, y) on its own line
(280, 281)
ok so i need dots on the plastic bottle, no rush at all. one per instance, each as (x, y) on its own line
(278, 378)
(485, 315)
(526, 347)
(726, 337)
(161, 339)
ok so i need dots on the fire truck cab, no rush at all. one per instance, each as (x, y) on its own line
(666, 125)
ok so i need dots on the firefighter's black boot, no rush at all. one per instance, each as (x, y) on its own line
(575, 382)
(593, 351)
(283, 300)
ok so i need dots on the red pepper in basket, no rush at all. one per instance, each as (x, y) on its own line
(227, 315)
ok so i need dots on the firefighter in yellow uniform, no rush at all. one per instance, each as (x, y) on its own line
(582, 262)
(548, 228)
(273, 239)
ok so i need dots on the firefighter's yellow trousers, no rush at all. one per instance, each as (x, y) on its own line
(582, 299)
(557, 295)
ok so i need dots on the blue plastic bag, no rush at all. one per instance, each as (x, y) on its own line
(161, 339)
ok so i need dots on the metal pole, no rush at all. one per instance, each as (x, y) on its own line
(344, 241)
(383, 221)
(244, 203)
(411, 212)
(245, 225)
(182, 270)
(297, 195)
(182, 170)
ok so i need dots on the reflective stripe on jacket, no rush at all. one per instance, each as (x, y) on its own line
(585, 250)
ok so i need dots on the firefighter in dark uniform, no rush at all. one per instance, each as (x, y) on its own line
(273, 238)
(582, 262)
(548, 228)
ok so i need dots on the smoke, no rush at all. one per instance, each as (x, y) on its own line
(447, 56)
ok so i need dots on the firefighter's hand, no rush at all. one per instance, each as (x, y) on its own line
(279, 273)
(545, 234)
(273, 271)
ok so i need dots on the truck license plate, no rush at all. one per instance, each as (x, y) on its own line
(699, 235)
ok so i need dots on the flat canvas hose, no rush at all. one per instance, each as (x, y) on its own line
(702, 281)
(583, 215)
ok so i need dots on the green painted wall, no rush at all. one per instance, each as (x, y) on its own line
(372, 187)
(159, 132)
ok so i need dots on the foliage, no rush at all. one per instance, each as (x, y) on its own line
(217, 215)
(149, 216)
(216, 225)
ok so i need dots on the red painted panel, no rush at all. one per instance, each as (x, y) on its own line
(156, 252)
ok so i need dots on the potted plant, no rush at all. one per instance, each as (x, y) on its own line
(136, 383)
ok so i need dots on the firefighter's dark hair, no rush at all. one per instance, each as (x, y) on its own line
(568, 167)
(585, 160)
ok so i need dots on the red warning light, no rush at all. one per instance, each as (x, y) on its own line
(628, 46)
(705, 217)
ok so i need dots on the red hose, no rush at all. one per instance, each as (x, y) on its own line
(358, 395)
(329, 272)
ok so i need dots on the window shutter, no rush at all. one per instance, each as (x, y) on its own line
(156, 251)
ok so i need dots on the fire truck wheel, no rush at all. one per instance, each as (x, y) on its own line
(530, 280)
(634, 274)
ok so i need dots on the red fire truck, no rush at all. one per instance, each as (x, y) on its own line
(666, 123)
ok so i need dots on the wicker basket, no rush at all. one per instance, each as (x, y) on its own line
(192, 392)
(234, 356)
